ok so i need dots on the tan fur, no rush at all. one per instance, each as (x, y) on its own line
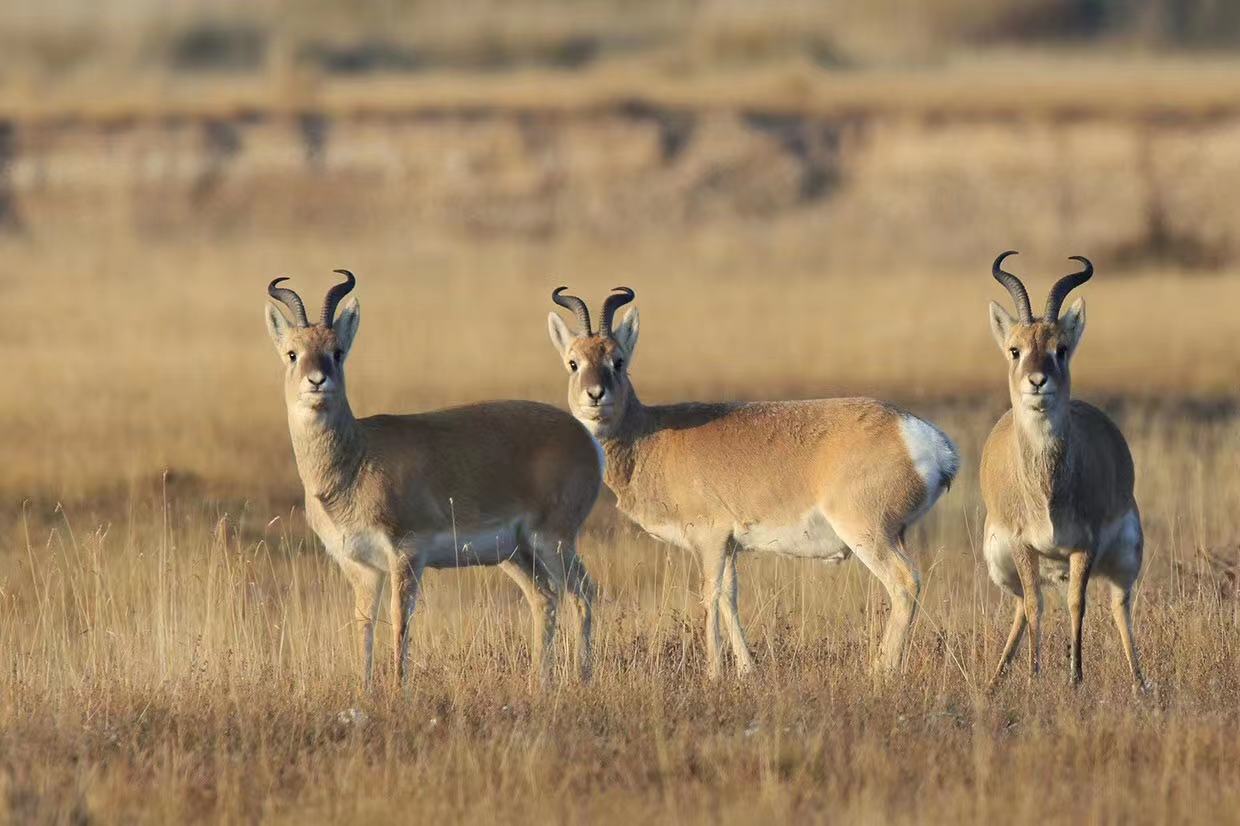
(816, 479)
(501, 483)
(735, 464)
(1057, 479)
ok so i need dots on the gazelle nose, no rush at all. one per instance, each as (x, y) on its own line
(1037, 380)
(595, 393)
(317, 379)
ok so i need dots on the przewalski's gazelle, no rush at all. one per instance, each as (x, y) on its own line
(1057, 477)
(811, 479)
(501, 483)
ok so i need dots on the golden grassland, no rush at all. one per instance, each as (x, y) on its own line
(1069, 86)
(141, 355)
(176, 647)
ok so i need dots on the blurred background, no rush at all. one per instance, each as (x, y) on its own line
(806, 197)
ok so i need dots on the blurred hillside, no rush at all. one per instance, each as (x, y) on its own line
(63, 38)
(956, 126)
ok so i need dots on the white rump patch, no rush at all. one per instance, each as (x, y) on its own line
(933, 455)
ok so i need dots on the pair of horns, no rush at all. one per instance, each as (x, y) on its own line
(293, 301)
(1059, 292)
(618, 298)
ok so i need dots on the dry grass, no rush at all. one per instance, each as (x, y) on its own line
(139, 356)
(1067, 86)
(163, 672)
(177, 649)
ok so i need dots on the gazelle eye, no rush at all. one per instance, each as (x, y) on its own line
(1014, 353)
(1062, 353)
(292, 357)
(572, 365)
(338, 355)
(618, 365)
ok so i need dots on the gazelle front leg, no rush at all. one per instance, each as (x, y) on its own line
(1079, 564)
(367, 585)
(1026, 561)
(713, 563)
(406, 572)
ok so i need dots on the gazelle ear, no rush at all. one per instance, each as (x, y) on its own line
(626, 333)
(1000, 324)
(277, 327)
(561, 336)
(1072, 323)
(348, 317)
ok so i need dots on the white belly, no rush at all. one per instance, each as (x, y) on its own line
(810, 537)
(486, 545)
(673, 533)
(1118, 550)
(483, 546)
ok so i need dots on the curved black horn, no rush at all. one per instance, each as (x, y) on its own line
(335, 294)
(579, 308)
(289, 299)
(1066, 285)
(618, 298)
(1019, 294)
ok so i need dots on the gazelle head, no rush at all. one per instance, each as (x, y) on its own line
(597, 362)
(313, 354)
(1039, 350)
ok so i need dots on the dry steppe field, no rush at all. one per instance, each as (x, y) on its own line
(177, 647)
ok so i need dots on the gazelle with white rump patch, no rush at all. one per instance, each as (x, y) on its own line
(1057, 477)
(500, 483)
(812, 479)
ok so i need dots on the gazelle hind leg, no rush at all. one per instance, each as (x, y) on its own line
(729, 602)
(583, 592)
(1013, 641)
(524, 569)
(884, 555)
(1120, 566)
(1121, 611)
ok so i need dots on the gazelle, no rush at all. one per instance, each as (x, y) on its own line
(1057, 477)
(812, 479)
(501, 483)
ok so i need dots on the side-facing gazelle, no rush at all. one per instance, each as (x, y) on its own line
(1057, 477)
(811, 479)
(500, 483)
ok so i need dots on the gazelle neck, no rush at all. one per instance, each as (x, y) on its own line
(1043, 439)
(618, 444)
(329, 449)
